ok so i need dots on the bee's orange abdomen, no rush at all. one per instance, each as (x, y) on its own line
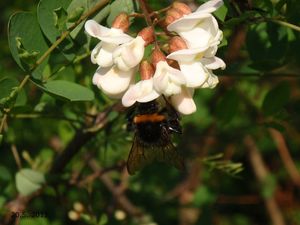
(155, 117)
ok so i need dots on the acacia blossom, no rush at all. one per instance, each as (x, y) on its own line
(167, 80)
(110, 39)
(113, 81)
(194, 51)
(196, 68)
(143, 91)
(200, 28)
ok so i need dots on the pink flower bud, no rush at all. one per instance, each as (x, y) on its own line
(172, 15)
(147, 34)
(183, 8)
(176, 43)
(121, 22)
(146, 70)
(157, 56)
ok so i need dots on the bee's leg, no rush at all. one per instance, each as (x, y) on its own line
(130, 115)
(174, 126)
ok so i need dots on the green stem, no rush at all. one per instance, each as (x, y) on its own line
(52, 47)
(286, 24)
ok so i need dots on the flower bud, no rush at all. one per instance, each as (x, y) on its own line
(121, 22)
(146, 70)
(147, 34)
(157, 56)
(183, 8)
(73, 215)
(172, 15)
(176, 43)
(78, 206)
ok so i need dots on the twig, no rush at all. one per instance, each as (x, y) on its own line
(80, 139)
(261, 174)
(285, 156)
(286, 24)
(16, 156)
(117, 192)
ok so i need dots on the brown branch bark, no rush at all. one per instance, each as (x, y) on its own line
(117, 191)
(261, 174)
(285, 156)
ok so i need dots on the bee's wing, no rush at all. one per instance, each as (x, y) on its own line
(169, 154)
(138, 156)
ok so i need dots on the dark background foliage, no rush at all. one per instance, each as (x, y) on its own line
(64, 143)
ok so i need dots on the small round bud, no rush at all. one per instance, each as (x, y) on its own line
(147, 34)
(73, 215)
(146, 70)
(172, 15)
(78, 207)
(120, 215)
(183, 8)
(157, 56)
(121, 22)
(176, 43)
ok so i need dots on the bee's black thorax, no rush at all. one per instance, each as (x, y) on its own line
(152, 124)
(148, 107)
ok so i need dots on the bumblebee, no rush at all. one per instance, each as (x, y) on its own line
(153, 126)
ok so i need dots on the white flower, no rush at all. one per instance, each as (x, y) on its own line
(167, 80)
(113, 81)
(197, 69)
(199, 29)
(210, 6)
(142, 91)
(111, 38)
(130, 54)
(183, 102)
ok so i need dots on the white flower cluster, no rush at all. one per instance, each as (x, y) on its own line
(119, 55)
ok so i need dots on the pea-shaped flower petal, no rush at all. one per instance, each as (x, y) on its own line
(168, 80)
(113, 81)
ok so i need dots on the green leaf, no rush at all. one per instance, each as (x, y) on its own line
(2, 201)
(119, 6)
(76, 14)
(1, 138)
(241, 19)
(28, 58)
(84, 6)
(29, 181)
(9, 95)
(203, 196)
(4, 173)
(276, 98)
(267, 45)
(227, 106)
(221, 13)
(68, 90)
(60, 18)
(24, 27)
(6, 85)
(52, 17)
